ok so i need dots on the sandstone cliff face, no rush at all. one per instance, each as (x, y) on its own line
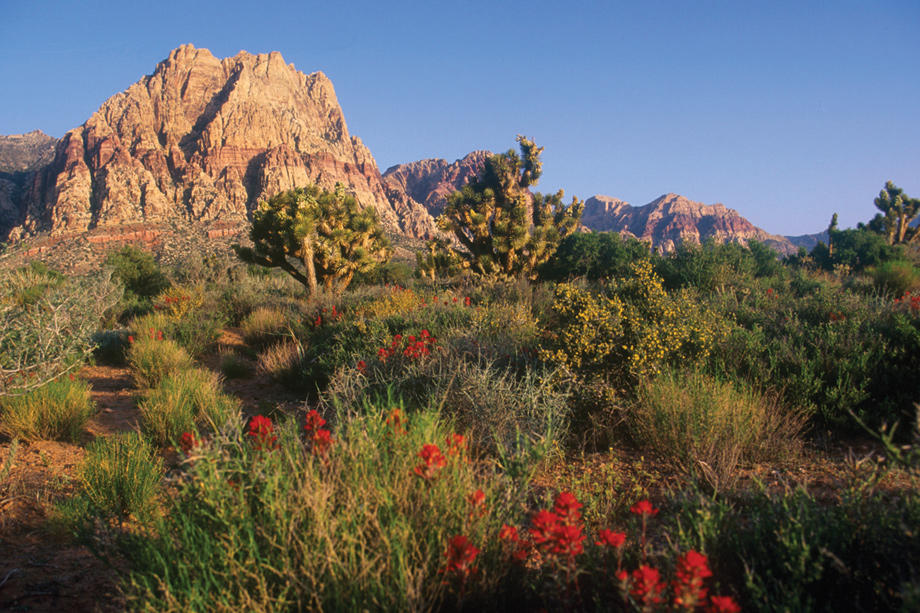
(671, 219)
(430, 182)
(206, 139)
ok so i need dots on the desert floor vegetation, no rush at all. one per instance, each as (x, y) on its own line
(713, 430)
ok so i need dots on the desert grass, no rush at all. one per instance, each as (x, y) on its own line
(56, 411)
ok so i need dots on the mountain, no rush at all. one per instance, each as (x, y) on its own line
(664, 222)
(670, 219)
(205, 139)
(26, 152)
(431, 181)
(20, 156)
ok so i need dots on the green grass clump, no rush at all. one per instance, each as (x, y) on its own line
(705, 423)
(56, 411)
(152, 359)
(120, 476)
(263, 325)
(286, 529)
(183, 401)
(234, 366)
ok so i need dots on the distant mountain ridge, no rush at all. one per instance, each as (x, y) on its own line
(664, 222)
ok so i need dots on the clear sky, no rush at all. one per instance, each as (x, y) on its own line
(785, 111)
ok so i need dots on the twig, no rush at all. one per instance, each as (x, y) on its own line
(8, 575)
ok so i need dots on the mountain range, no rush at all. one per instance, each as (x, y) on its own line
(203, 139)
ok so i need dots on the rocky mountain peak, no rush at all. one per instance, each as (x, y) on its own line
(205, 139)
(431, 181)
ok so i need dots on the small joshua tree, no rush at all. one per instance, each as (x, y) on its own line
(316, 236)
(503, 228)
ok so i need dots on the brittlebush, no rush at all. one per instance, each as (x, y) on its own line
(631, 330)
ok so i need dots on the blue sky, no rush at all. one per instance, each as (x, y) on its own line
(785, 111)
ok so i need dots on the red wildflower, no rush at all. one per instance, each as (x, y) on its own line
(466, 301)
(456, 444)
(609, 538)
(382, 353)
(455, 299)
(322, 440)
(460, 554)
(644, 508)
(130, 338)
(433, 461)
(567, 540)
(261, 430)
(509, 533)
(159, 335)
(313, 421)
(361, 366)
(722, 604)
(692, 570)
(543, 526)
(187, 442)
(397, 421)
(566, 507)
(646, 585)
(477, 501)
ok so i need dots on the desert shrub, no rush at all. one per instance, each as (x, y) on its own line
(153, 357)
(828, 351)
(855, 250)
(178, 301)
(263, 325)
(56, 411)
(186, 401)
(496, 404)
(594, 255)
(351, 527)
(233, 365)
(793, 552)
(392, 271)
(631, 331)
(895, 278)
(120, 475)
(49, 332)
(111, 346)
(137, 271)
(714, 266)
(709, 426)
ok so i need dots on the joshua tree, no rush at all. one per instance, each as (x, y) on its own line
(897, 211)
(315, 236)
(503, 228)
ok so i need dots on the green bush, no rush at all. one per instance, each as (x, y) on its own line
(709, 426)
(895, 278)
(151, 359)
(594, 255)
(793, 552)
(138, 272)
(185, 401)
(56, 411)
(120, 476)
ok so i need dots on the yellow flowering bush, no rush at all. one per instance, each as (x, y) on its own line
(632, 330)
(178, 301)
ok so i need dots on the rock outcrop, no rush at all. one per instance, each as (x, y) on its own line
(205, 139)
(26, 152)
(671, 219)
(431, 181)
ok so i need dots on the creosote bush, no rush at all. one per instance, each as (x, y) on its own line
(56, 411)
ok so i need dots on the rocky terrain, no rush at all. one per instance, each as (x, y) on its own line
(431, 181)
(205, 139)
(20, 156)
(671, 219)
